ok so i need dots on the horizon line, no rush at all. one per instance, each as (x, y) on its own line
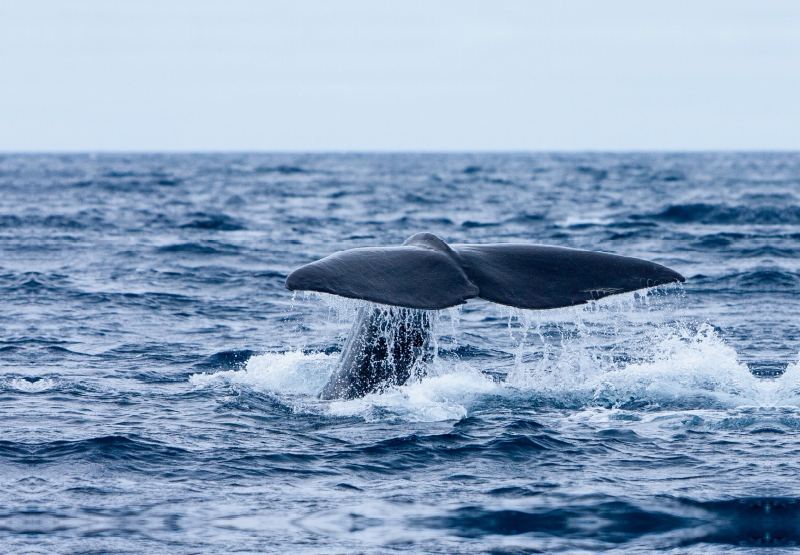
(89, 152)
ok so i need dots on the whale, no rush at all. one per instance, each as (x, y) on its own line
(391, 343)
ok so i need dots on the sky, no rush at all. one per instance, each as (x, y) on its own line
(399, 75)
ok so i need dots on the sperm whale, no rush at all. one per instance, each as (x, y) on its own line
(391, 343)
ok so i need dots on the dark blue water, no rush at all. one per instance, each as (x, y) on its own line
(158, 383)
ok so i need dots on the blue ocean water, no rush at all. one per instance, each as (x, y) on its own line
(158, 383)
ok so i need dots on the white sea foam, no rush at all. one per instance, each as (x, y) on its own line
(679, 364)
(786, 389)
(669, 363)
(447, 396)
(293, 373)
(38, 386)
(573, 221)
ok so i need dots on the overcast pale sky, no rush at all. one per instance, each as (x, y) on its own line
(378, 75)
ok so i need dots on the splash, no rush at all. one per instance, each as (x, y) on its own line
(786, 388)
(31, 386)
(291, 373)
(676, 365)
(625, 351)
(447, 396)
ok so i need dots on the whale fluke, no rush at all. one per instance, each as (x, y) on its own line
(389, 345)
(426, 273)
(410, 276)
(541, 277)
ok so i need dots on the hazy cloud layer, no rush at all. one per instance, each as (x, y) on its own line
(399, 75)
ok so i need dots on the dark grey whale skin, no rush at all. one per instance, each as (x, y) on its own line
(423, 273)
(427, 273)
(386, 347)
(389, 345)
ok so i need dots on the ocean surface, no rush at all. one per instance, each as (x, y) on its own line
(158, 383)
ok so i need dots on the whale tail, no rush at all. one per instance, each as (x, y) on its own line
(389, 345)
(427, 273)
